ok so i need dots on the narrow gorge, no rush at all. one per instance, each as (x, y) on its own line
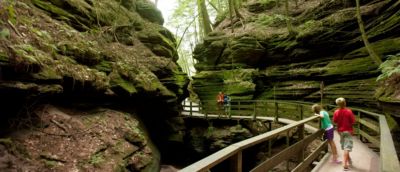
(95, 85)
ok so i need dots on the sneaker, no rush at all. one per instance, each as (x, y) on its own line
(336, 161)
(346, 169)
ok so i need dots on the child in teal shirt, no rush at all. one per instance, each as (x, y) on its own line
(326, 124)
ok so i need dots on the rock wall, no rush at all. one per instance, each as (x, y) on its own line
(89, 54)
(260, 59)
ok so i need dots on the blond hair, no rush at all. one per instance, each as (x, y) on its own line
(316, 108)
(341, 102)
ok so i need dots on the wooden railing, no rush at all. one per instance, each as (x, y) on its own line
(233, 153)
(371, 127)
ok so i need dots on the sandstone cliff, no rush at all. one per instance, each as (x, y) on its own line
(85, 55)
(260, 59)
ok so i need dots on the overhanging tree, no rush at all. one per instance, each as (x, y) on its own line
(375, 57)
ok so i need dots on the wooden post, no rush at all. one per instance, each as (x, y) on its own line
(270, 126)
(276, 112)
(254, 111)
(287, 145)
(359, 126)
(301, 137)
(301, 112)
(191, 109)
(229, 111)
(322, 91)
(236, 162)
(269, 148)
(239, 106)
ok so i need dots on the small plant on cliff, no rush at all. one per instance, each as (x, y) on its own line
(96, 159)
(271, 20)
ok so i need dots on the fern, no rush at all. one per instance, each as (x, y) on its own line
(390, 67)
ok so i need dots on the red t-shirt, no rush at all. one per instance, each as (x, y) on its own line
(344, 118)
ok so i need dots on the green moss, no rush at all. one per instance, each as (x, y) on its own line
(6, 141)
(382, 47)
(47, 73)
(350, 67)
(121, 86)
(4, 59)
(53, 9)
(104, 66)
(4, 33)
(50, 163)
(148, 11)
(97, 159)
(271, 20)
(81, 51)
(309, 28)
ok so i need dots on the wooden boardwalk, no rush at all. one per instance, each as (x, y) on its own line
(364, 159)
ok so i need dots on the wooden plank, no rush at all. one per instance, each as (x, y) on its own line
(314, 155)
(286, 153)
(389, 160)
(236, 162)
(370, 138)
(268, 135)
(369, 125)
(212, 160)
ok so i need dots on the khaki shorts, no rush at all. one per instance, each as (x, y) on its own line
(346, 141)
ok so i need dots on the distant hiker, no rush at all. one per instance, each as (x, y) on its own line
(344, 118)
(220, 100)
(326, 124)
(227, 104)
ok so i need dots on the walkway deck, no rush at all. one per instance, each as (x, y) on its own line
(364, 159)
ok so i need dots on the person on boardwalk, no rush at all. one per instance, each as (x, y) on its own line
(326, 124)
(344, 118)
(220, 101)
(227, 104)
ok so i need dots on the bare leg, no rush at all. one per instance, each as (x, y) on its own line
(334, 150)
(346, 158)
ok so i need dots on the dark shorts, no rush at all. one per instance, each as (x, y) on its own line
(329, 134)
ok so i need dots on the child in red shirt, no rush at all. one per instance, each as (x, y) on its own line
(344, 118)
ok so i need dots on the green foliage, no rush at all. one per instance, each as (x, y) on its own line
(267, 2)
(96, 159)
(309, 28)
(390, 67)
(271, 20)
(4, 33)
(11, 13)
(50, 163)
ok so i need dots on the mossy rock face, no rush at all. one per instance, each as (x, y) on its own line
(236, 83)
(82, 52)
(388, 91)
(159, 43)
(261, 6)
(148, 11)
(109, 55)
(245, 50)
(327, 49)
(356, 92)
(111, 140)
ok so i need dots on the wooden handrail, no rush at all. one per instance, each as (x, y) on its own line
(237, 148)
(388, 161)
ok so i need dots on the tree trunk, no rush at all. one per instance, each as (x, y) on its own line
(288, 22)
(231, 13)
(206, 23)
(215, 7)
(375, 57)
(236, 6)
